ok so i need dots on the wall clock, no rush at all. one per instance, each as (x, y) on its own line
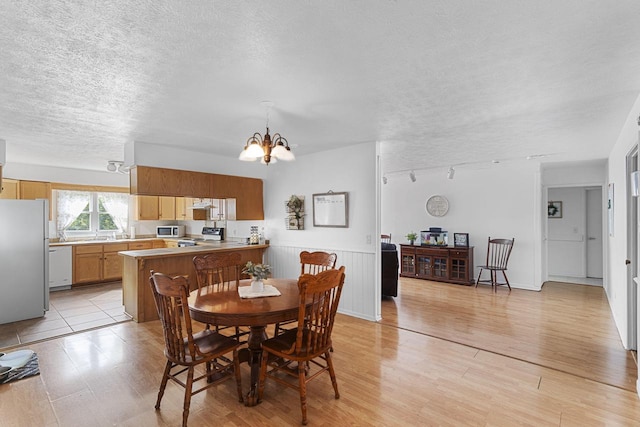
(437, 206)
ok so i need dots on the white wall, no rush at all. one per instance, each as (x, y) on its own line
(350, 169)
(618, 287)
(566, 235)
(500, 201)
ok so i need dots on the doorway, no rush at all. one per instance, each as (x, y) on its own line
(632, 254)
(574, 235)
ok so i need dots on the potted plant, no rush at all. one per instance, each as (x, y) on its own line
(411, 237)
(258, 272)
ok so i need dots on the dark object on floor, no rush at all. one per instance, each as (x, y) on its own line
(29, 369)
(390, 266)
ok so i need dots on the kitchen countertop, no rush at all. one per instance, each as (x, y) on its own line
(103, 241)
(201, 246)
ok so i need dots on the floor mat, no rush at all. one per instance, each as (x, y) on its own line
(31, 368)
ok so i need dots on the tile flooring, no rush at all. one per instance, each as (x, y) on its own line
(70, 311)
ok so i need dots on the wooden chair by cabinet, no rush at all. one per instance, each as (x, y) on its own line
(221, 272)
(185, 349)
(310, 342)
(311, 263)
(385, 238)
(498, 252)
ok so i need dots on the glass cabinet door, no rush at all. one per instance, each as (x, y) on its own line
(407, 264)
(424, 265)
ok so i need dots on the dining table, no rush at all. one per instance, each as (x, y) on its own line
(227, 308)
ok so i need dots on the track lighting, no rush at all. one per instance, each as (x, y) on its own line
(384, 179)
(412, 176)
(117, 166)
(451, 172)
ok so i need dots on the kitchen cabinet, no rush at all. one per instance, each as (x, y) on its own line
(168, 182)
(147, 208)
(112, 262)
(438, 263)
(248, 192)
(31, 190)
(10, 189)
(97, 263)
(87, 264)
(183, 213)
(136, 246)
(166, 207)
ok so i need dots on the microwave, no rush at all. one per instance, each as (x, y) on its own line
(170, 231)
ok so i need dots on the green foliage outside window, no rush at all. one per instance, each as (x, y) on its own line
(83, 221)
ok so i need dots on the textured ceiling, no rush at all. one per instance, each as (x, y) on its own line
(455, 81)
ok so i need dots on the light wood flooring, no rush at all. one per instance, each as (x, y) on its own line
(391, 373)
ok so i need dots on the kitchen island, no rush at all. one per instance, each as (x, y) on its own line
(136, 291)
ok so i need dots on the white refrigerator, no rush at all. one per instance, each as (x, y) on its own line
(24, 259)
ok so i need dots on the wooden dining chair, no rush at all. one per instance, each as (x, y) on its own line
(310, 342)
(221, 272)
(310, 263)
(385, 238)
(185, 349)
(498, 252)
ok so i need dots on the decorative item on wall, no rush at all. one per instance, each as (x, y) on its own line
(554, 209)
(295, 211)
(331, 209)
(437, 206)
(461, 240)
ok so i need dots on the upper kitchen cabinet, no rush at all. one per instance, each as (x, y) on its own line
(247, 192)
(248, 197)
(147, 208)
(167, 207)
(152, 181)
(10, 189)
(31, 190)
(182, 208)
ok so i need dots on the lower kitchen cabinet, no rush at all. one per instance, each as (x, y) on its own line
(97, 263)
(442, 264)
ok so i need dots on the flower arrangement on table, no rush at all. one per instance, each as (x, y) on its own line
(257, 271)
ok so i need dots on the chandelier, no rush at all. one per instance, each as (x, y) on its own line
(269, 149)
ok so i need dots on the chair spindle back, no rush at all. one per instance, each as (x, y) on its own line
(498, 252)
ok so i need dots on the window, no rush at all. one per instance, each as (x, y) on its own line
(83, 213)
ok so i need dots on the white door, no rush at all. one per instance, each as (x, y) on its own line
(594, 233)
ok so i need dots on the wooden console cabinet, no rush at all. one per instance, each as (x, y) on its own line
(439, 263)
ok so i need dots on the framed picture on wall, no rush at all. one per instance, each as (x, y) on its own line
(554, 209)
(331, 209)
(461, 240)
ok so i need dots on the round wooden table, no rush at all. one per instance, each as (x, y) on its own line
(228, 309)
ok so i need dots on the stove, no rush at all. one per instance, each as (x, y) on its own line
(213, 233)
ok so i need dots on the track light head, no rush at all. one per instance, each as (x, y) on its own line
(451, 172)
(412, 176)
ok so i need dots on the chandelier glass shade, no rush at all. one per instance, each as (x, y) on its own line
(267, 149)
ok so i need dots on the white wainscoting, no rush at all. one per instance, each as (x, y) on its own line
(358, 293)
